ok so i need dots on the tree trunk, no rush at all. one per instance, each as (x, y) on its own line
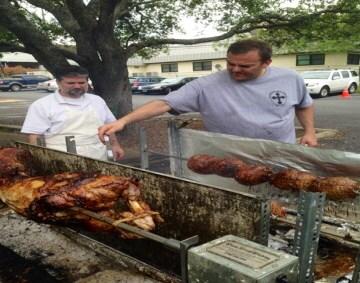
(111, 82)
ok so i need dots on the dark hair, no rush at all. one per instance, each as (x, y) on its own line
(244, 46)
(71, 71)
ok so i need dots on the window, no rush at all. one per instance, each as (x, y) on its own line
(354, 73)
(310, 59)
(345, 74)
(167, 68)
(335, 76)
(202, 66)
(353, 59)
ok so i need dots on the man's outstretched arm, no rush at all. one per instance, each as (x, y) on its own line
(306, 119)
(149, 110)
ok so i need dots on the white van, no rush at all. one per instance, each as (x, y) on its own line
(321, 83)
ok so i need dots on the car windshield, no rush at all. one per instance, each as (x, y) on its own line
(171, 81)
(316, 75)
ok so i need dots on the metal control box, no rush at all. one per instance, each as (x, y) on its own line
(232, 259)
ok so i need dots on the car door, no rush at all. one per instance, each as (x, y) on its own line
(345, 79)
(336, 82)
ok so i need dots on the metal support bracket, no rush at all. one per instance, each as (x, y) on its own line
(185, 245)
(174, 149)
(70, 144)
(181, 246)
(356, 272)
(308, 224)
(265, 222)
(144, 150)
(40, 141)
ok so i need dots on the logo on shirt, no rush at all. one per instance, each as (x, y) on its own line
(278, 97)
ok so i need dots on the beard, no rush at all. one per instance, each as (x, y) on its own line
(76, 92)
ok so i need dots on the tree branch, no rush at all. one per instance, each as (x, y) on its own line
(261, 22)
(93, 8)
(80, 13)
(11, 47)
(64, 17)
(121, 9)
(35, 42)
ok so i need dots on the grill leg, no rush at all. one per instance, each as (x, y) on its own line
(308, 224)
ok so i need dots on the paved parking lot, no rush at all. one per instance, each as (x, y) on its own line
(331, 113)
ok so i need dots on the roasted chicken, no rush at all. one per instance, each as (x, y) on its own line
(253, 174)
(230, 167)
(50, 199)
(227, 167)
(202, 163)
(294, 180)
(336, 188)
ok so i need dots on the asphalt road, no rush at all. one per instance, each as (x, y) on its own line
(13, 105)
(331, 113)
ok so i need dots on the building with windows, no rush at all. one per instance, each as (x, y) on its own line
(18, 59)
(203, 59)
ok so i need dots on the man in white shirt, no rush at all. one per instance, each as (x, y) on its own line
(71, 111)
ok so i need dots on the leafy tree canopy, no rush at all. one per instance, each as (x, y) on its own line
(101, 35)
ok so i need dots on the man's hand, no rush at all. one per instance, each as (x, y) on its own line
(118, 152)
(149, 110)
(306, 119)
(309, 140)
(109, 129)
(116, 148)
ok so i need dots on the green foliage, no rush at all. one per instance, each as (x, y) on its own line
(333, 32)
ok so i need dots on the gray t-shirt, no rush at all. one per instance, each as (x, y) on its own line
(262, 108)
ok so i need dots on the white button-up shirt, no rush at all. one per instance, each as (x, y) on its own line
(46, 115)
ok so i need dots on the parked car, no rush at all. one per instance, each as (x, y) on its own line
(18, 82)
(51, 86)
(137, 83)
(322, 83)
(167, 85)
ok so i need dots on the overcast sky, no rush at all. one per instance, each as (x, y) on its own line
(193, 29)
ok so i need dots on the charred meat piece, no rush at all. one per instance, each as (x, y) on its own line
(95, 193)
(227, 167)
(202, 163)
(336, 188)
(294, 180)
(253, 174)
(50, 199)
(277, 209)
(15, 162)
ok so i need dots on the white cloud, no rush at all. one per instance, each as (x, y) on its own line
(192, 29)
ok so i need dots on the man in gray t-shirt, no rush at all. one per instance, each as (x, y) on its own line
(249, 99)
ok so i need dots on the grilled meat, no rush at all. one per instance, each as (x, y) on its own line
(277, 209)
(49, 199)
(202, 163)
(294, 180)
(336, 188)
(230, 167)
(15, 162)
(253, 174)
(227, 167)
